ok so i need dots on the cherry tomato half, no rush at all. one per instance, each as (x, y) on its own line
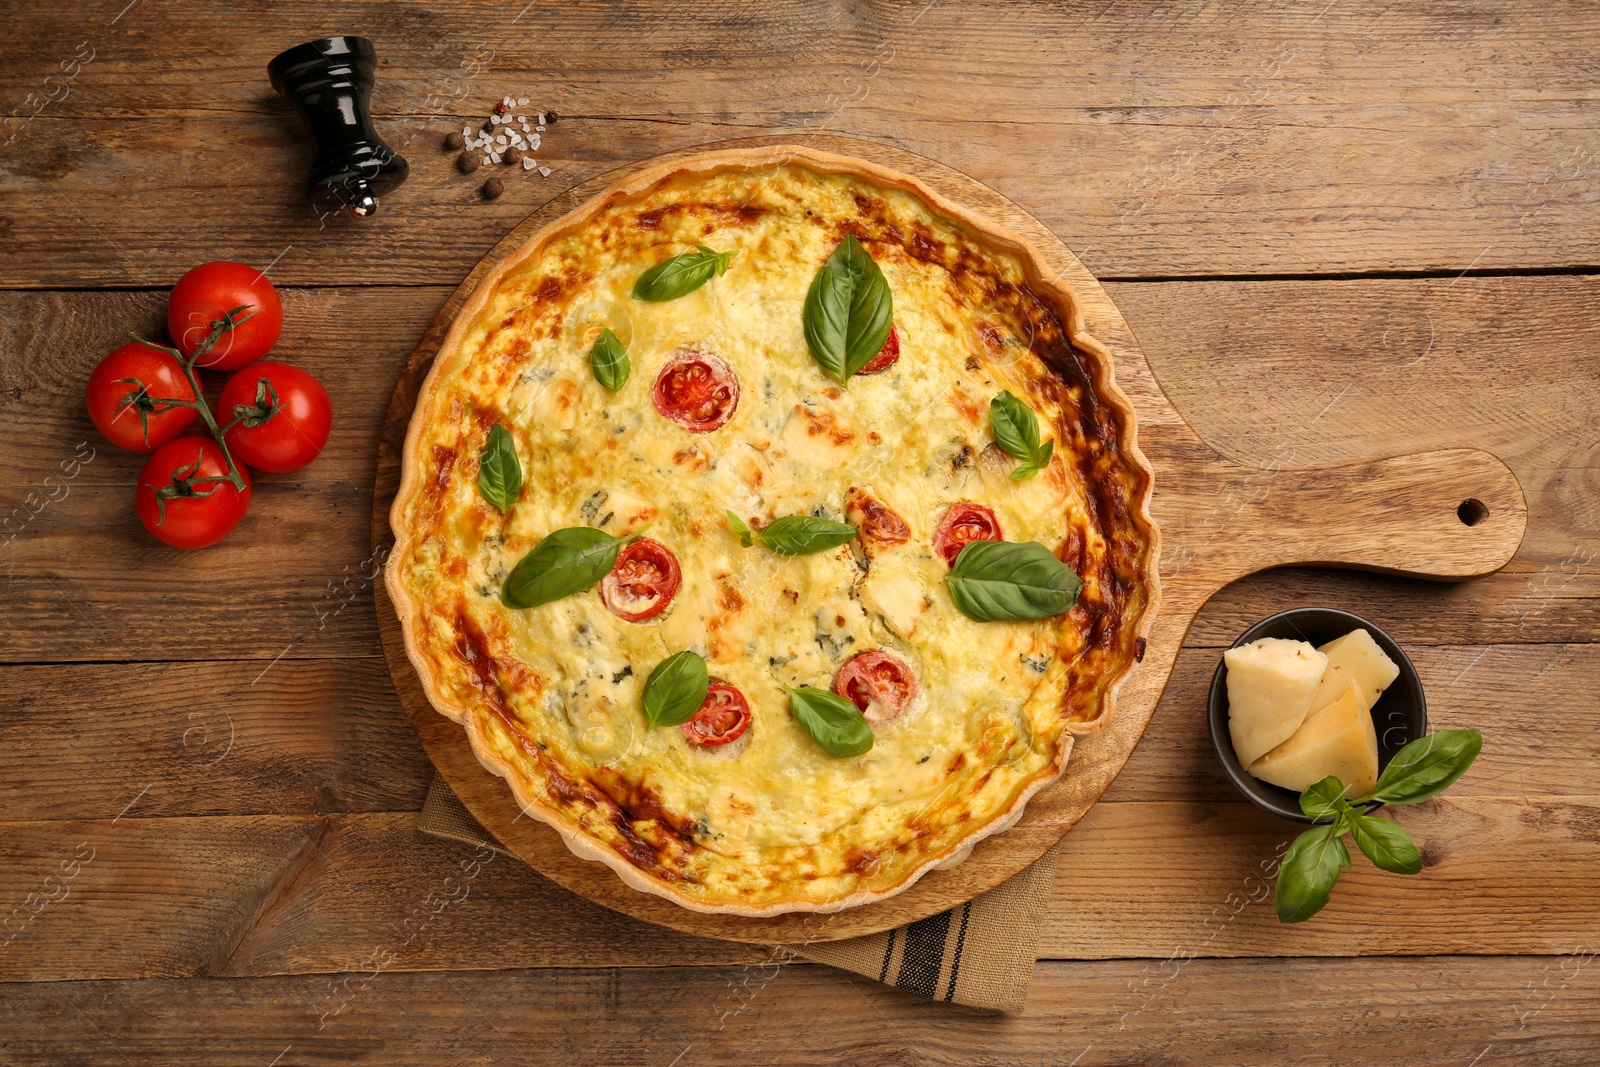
(190, 515)
(294, 432)
(876, 520)
(125, 393)
(206, 294)
(963, 523)
(723, 717)
(642, 582)
(696, 390)
(886, 355)
(880, 683)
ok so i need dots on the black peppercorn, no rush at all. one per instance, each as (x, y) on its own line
(550, 118)
(467, 162)
(454, 141)
(493, 188)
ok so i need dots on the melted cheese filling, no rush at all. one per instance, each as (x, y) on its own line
(796, 821)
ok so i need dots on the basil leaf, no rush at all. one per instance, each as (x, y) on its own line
(1324, 800)
(849, 311)
(1386, 845)
(499, 472)
(675, 689)
(794, 535)
(826, 321)
(1308, 872)
(1015, 428)
(1427, 766)
(1039, 463)
(801, 535)
(1004, 581)
(742, 528)
(672, 278)
(834, 723)
(567, 561)
(609, 361)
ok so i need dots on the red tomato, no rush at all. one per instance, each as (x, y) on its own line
(195, 515)
(886, 355)
(293, 434)
(875, 519)
(697, 391)
(722, 719)
(642, 582)
(963, 523)
(145, 424)
(880, 683)
(210, 291)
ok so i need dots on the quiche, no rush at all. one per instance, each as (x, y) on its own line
(773, 527)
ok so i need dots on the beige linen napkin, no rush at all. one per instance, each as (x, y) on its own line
(980, 954)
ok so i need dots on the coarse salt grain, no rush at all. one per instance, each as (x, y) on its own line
(466, 131)
(539, 128)
(528, 163)
(544, 172)
(487, 160)
(534, 141)
(541, 118)
(522, 101)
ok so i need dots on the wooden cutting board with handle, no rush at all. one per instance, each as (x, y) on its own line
(1447, 515)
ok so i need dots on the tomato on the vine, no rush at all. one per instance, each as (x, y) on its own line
(126, 393)
(204, 296)
(182, 497)
(283, 417)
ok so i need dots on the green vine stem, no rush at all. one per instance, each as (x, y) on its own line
(181, 486)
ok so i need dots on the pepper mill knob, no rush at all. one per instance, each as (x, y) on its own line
(329, 81)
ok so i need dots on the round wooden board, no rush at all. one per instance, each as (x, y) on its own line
(1188, 473)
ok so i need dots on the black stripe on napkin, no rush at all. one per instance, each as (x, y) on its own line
(961, 941)
(919, 968)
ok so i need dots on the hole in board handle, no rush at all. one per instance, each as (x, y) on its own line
(1472, 511)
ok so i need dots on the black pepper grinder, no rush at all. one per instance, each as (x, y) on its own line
(329, 82)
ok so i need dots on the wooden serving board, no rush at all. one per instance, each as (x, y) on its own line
(1220, 520)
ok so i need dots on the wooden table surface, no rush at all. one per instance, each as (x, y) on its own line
(1340, 230)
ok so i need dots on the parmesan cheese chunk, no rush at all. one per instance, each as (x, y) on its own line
(1357, 659)
(1270, 683)
(1339, 740)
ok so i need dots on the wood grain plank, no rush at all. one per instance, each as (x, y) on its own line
(84, 581)
(1540, 719)
(318, 736)
(1258, 1012)
(1196, 877)
(1531, 600)
(1232, 352)
(288, 894)
(1262, 138)
(1189, 56)
(243, 895)
(234, 738)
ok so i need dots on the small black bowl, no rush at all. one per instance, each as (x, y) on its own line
(1400, 716)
